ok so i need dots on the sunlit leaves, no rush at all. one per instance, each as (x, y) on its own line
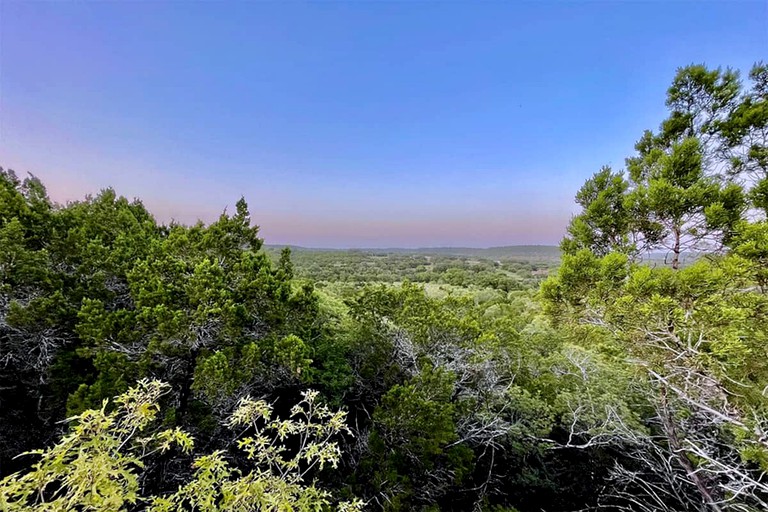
(97, 466)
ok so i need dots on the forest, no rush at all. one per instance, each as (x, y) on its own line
(172, 367)
(517, 268)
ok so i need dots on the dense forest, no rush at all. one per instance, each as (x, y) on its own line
(167, 367)
(510, 272)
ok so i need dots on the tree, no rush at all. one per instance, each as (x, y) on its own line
(694, 335)
(30, 306)
(95, 295)
(606, 222)
(745, 135)
(94, 466)
(686, 209)
(679, 196)
(97, 466)
(700, 100)
(285, 264)
(696, 339)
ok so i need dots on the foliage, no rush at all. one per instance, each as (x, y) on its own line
(632, 377)
(97, 465)
(94, 466)
(695, 336)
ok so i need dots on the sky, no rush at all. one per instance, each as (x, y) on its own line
(350, 124)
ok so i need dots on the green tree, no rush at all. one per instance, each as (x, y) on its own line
(97, 466)
(687, 209)
(606, 222)
(679, 197)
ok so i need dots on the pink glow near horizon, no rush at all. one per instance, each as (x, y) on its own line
(341, 229)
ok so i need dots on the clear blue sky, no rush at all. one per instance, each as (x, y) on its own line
(350, 123)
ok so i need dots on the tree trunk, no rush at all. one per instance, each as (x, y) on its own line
(676, 250)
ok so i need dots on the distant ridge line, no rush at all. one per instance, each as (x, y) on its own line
(548, 252)
(434, 248)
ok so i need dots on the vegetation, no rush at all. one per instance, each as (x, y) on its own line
(464, 381)
(94, 466)
(503, 270)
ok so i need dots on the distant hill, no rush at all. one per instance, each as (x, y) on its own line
(510, 252)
